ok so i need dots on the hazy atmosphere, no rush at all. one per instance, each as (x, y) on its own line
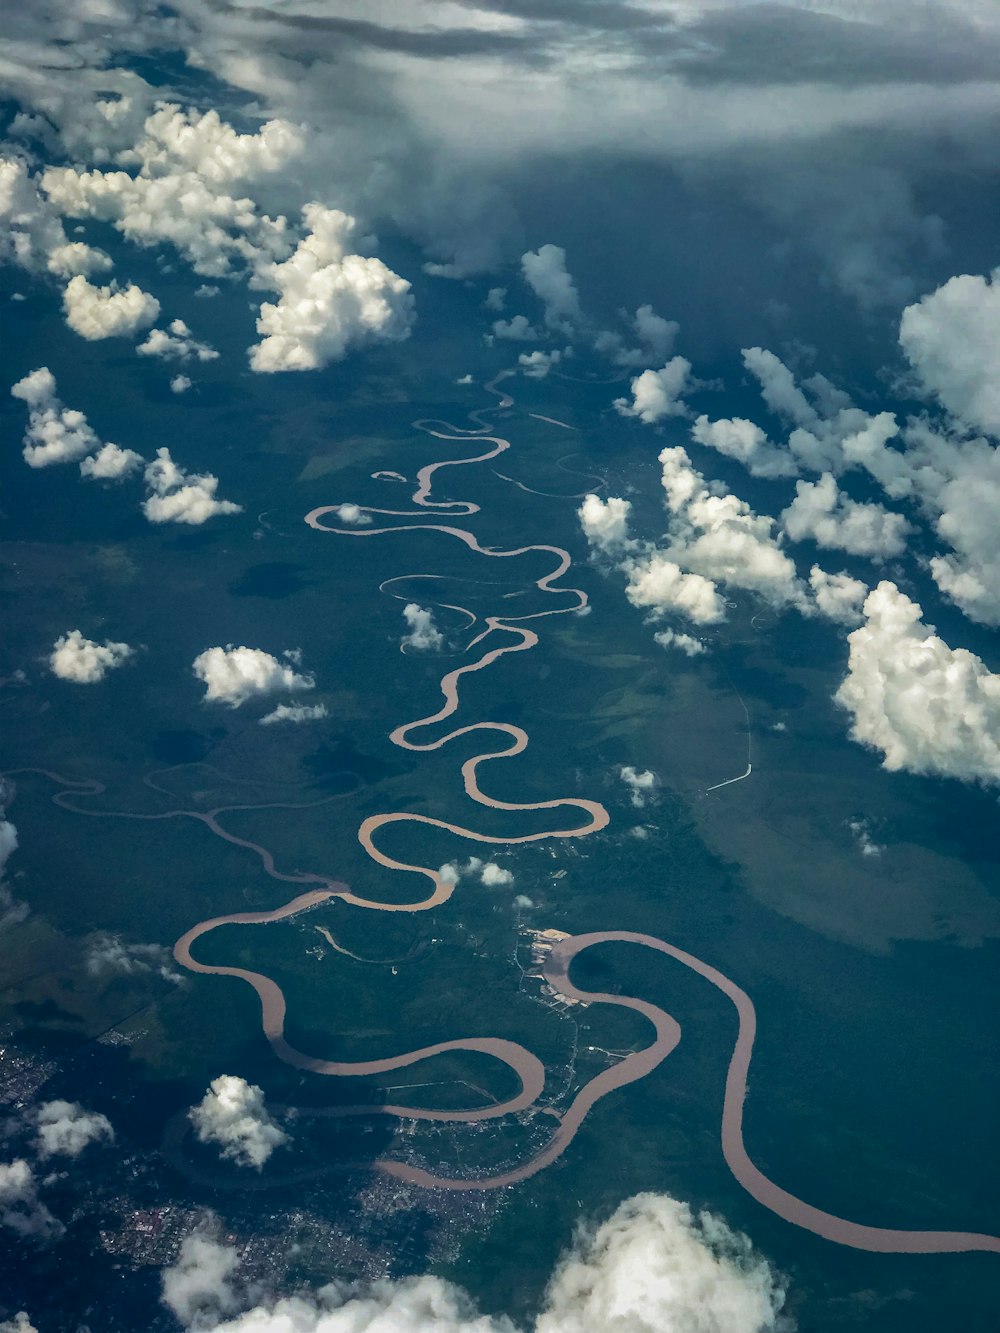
(500, 681)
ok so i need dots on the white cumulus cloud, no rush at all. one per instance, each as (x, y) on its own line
(234, 675)
(656, 394)
(176, 496)
(423, 635)
(65, 1129)
(107, 312)
(330, 300)
(641, 786)
(652, 1267)
(233, 1115)
(83, 660)
(110, 463)
(54, 434)
(822, 512)
(927, 707)
(21, 1209)
(545, 273)
(952, 340)
(605, 522)
(176, 343)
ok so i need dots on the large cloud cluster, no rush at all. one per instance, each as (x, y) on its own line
(84, 661)
(233, 675)
(820, 511)
(330, 300)
(650, 1268)
(233, 1115)
(65, 1129)
(718, 536)
(927, 707)
(184, 166)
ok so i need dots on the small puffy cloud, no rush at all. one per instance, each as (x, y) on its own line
(951, 338)
(352, 514)
(493, 876)
(83, 661)
(685, 643)
(927, 707)
(487, 872)
(518, 329)
(423, 636)
(820, 511)
(234, 675)
(605, 522)
(656, 394)
(641, 786)
(867, 845)
(75, 258)
(659, 585)
(110, 954)
(65, 1129)
(54, 434)
(330, 300)
(545, 273)
(176, 343)
(536, 365)
(107, 312)
(838, 596)
(747, 443)
(180, 384)
(176, 496)
(295, 713)
(495, 299)
(110, 463)
(21, 1210)
(198, 1288)
(233, 1115)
